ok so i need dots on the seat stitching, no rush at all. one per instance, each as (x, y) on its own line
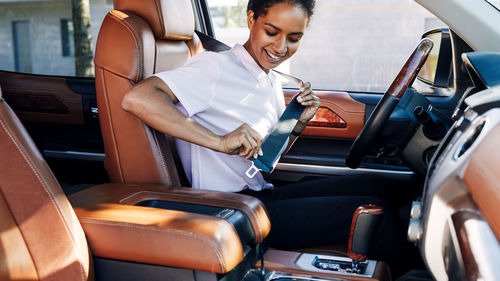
(48, 192)
(115, 145)
(162, 24)
(162, 159)
(136, 42)
(213, 244)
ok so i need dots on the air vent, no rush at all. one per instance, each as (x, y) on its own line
(469, 141)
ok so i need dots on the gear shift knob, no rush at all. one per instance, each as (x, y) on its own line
(364, 221)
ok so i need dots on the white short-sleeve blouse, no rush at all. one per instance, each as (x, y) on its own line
(221, 91)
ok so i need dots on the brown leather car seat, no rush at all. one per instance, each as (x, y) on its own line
(40, 236)
(136, 40)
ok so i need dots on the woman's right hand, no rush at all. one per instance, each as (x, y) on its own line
(244, 141)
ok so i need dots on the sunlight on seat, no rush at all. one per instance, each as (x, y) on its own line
(119, 14)
(15, 259)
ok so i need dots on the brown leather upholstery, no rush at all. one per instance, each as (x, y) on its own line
(42, 239)
(169, 19)
(253, 208)
(111, 220)
(40, 236)
(133, 194)
(482, 177)
(42, 99)
(15, 260)
(136, 40)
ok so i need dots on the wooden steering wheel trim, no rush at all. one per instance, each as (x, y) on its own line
(386, 105)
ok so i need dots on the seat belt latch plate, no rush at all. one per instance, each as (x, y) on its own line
(252, 171)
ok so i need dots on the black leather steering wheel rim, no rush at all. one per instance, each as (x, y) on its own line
(378, 118)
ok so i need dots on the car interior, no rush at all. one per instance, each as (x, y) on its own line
(89, 192)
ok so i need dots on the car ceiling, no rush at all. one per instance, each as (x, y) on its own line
(476, 22)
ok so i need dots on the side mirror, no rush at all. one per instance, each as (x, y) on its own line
(437, 70)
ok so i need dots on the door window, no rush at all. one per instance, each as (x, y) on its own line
(41, 37)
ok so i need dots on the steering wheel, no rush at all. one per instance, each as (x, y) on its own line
(386, 105)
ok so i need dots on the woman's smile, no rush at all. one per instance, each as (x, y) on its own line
(275, 36)
(276, 59)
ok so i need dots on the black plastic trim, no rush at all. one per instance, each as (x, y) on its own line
(371, 129)
(366, 98)
(81, 86)
(363, 234)
(483, 68)
(206, 20)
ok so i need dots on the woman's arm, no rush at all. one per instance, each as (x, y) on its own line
(153, 102)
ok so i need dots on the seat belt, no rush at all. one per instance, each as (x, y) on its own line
(272, 146)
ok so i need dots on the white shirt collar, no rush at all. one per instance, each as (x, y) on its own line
(252, 66)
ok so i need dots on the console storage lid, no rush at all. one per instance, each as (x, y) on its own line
(118, 229)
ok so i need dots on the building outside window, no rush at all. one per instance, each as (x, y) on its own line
(37, 36)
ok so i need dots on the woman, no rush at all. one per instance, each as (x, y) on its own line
(220, 106)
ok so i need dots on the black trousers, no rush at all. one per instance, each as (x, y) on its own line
(319, 212)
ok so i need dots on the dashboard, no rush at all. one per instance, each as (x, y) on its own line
(455, 223)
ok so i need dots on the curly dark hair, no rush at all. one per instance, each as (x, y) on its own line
(259, 7)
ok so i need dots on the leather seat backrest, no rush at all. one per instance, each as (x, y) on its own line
(40, 235)
(136, 40)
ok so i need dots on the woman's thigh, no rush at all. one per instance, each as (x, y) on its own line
(311, 221)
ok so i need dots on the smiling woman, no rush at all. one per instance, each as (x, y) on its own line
(224, 80)
(220, 121)
(275, 35)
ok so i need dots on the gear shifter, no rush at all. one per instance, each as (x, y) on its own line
(364, 221)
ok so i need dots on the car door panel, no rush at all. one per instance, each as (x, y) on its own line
(60, 114)
(42, 99)
(338, 106)
(320, 151)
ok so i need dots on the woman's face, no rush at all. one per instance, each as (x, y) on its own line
(275, 36)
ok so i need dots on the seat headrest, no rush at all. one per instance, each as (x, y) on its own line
(169, 19)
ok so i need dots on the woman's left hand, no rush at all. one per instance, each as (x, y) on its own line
(309, 100)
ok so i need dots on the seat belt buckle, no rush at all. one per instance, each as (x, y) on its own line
(252, 171)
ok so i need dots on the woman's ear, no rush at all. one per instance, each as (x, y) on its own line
(250, 19)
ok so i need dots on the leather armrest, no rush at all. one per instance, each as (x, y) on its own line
(116, 228)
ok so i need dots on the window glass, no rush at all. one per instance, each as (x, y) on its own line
(355, 45)
(39, 36)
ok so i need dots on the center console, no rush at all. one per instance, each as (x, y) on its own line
(189, 234)
(285, 265)
(182, 228)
